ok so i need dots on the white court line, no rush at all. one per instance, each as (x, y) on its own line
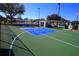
(46, 36)
(14, 41)
(68, 34)
(62, 41)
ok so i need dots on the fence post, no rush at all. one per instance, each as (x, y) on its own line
(0, 34)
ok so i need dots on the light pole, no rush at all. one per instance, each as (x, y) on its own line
(76, 22)
(38, 15)
(0, 33)
(58, 14)
(77, 15)
(58, 8)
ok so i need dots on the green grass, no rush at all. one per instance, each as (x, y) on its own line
(61, 43)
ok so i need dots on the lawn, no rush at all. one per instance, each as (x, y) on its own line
(60, 43)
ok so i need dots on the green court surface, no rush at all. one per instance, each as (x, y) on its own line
(60, 43)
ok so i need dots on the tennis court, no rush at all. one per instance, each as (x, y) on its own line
(53, 43)
(38, 31)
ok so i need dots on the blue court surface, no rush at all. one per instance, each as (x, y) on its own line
(39, 31)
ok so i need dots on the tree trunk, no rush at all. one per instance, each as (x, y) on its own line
(11, 18)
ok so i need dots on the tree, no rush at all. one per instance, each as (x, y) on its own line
(2, 19)
(54, 17)
(25, 18)
(75, 25)
(75, 22)
(41, 19)
(12, 9)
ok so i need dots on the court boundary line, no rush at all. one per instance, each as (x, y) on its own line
(23, 29)
(62, 41)
(46, 35)
(67, 34)
(54, 38)
(13, 42)
(15, 38)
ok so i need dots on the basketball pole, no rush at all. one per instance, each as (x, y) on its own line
(38, 15)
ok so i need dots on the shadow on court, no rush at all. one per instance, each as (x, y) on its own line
(7, 35)
(5, 52)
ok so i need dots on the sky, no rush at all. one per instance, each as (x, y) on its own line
(67, 10)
